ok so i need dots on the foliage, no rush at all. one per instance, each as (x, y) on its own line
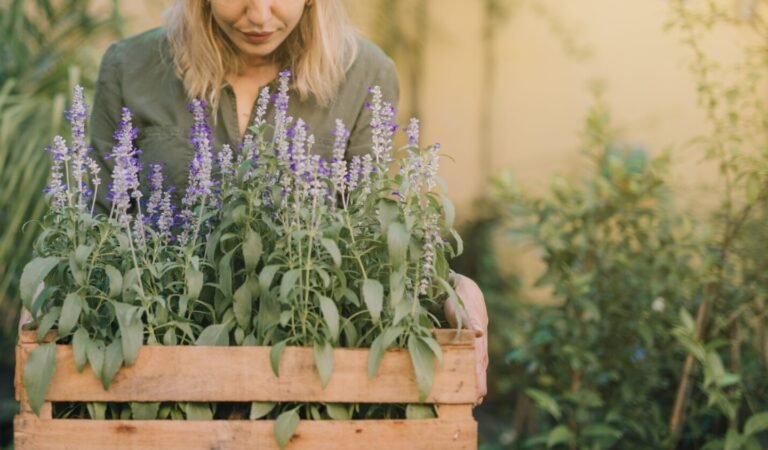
(272, 247)
(598, 365)
(41, 46)
(660, 339)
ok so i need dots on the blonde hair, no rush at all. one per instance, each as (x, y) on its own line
(319, 51)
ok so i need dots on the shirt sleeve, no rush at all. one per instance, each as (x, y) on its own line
(360, 135)
(107, 106)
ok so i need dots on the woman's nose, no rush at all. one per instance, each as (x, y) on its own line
(258, 12)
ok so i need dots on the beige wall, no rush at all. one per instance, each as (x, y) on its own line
(542, 94)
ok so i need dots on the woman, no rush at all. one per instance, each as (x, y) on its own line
(225, 52)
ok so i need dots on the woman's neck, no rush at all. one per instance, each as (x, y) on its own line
(246, 85)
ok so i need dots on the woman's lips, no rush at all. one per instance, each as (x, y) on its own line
(258, 38)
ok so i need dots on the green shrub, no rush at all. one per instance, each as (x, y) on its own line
(41, 44)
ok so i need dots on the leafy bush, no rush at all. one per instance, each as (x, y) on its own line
(659, 340)
(599, 365)
(272, 246)
(41, 44)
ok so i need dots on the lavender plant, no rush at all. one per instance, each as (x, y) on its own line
(273, 245)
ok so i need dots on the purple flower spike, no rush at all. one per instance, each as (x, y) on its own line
(77, 116)
(125, 175)
(57, 186)
(413, 132)
(200, 182)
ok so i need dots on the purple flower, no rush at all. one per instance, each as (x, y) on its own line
(338, 163)
(353, 175)
(58, 187)
(431, 237)
(165, 220)
(261, 107)
(156, 189)
(77, 116)
(430, 166)
(226, 168)
(382, 126)
(125, 175)
(413, 132)
(200, 182)
(282, 120)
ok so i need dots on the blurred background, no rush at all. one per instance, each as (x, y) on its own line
(609, 164)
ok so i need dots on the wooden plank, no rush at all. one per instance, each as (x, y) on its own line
(18, 372)
(30, 336)
(31, 433)
(443, 337)
(454, 412)
(244, 374)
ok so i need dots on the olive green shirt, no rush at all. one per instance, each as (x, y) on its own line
(139, 73)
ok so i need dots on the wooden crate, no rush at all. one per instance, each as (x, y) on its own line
(243, 374)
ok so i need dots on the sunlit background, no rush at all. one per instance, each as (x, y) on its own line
(588, 96)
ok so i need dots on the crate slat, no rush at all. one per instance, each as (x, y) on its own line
(32, 433)
(244, 374)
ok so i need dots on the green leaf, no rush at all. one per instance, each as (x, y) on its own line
(131, 282)
(600, 430)
(324, 361)
(70, 313)
(339, 411)
(131, 330)
(288, 283)
(115, 281)
(169, 337)
(545, 402)
(113, 360)
(756, 424)
(687, 320)
(144, 410)
(561, 434)
(275, 353)
(95, 353)
(214, 335)
(379, 346)
(388, 213)
(42, 299)
(373, 296)
(78, 263)
(260, 409)
(252, 250)
(80, 342)
(47, 322)
(194, 283)
(453, 298)
(420, 412)
(423, 365)
(397, 243)
(396, 286)
(34, 273)
(333, 250)
(97, 410)
(331, 316)
(734, 440)
(243, 306)
(198, 411)
(285, 426)
(434, 346)
(225, 274)
(38, 372)
(266, 276)
(459, 242)
(402, 310)
(449, 211)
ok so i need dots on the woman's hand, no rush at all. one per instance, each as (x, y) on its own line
(474, 316)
